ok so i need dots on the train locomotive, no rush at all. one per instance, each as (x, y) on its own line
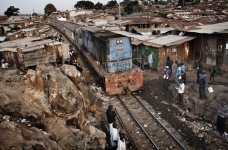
(110, 54)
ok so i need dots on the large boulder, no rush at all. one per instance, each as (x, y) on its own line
(48, 90)
(19, 137)
(9, 105)
(70, 137)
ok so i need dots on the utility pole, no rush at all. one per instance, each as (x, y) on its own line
(119, 15)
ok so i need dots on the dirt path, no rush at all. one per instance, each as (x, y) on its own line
(162, 101)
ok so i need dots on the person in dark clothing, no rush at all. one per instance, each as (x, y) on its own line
(111, 115)
(183, 76)
(167, 74)
(67, 61)
(183, 73)
(199, 69)
(169, 63)
(78, 67)
(202, 83)
(213, 71)
(221, 118)
(142, 61)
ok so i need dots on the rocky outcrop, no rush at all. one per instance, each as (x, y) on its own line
(49, 91)
(19, 137)
(52, 114)
(9, 105)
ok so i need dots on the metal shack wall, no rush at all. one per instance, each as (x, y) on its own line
(146, 50)
(176, 53)
(11, 58)
(212, 48)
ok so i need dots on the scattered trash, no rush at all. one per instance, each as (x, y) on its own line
(200, 135)
(169, 109)
(145, 125)
(137, 132)
(6, 118)
(159, 113)
(23, 120)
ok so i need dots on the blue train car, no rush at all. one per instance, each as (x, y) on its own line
(110, 49)
(110, 54)
(78, 38)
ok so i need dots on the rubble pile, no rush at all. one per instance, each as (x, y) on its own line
(58, 111)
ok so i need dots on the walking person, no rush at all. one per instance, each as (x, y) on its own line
(181, 93)
(213, 71)
(67, 61)
(221, 118)
(3, 64)
(167, 76)
(169, 63)
(202, 83)
(111, 115)
(178, 75)
(199, 69)
(150, 60)
(183, 73)
(142, 61)
(114, 136)
(121, 142)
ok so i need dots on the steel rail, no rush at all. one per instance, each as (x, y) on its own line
(128, 132)
(182, 146)
(139, 125)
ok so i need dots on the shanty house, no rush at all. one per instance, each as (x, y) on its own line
(211, 44)
(175, 46)
(29, 51)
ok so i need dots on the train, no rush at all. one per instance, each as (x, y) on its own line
(109, 53)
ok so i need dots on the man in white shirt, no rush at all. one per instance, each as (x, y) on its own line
(181, 92)
(150, 60)
(121, 142)
(114, 135)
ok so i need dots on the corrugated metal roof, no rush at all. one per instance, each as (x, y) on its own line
(168, 40)
(135, 36)
(28, 29)
(6, 49)
(12, 22)
(37, 43)
(32, 49)
(210, 29)
(164, 30)
(19, 42)
(139, 30)
(136, 42)
(91, 28)
(121, 22)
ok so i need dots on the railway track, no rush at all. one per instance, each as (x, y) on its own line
(145, 131)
